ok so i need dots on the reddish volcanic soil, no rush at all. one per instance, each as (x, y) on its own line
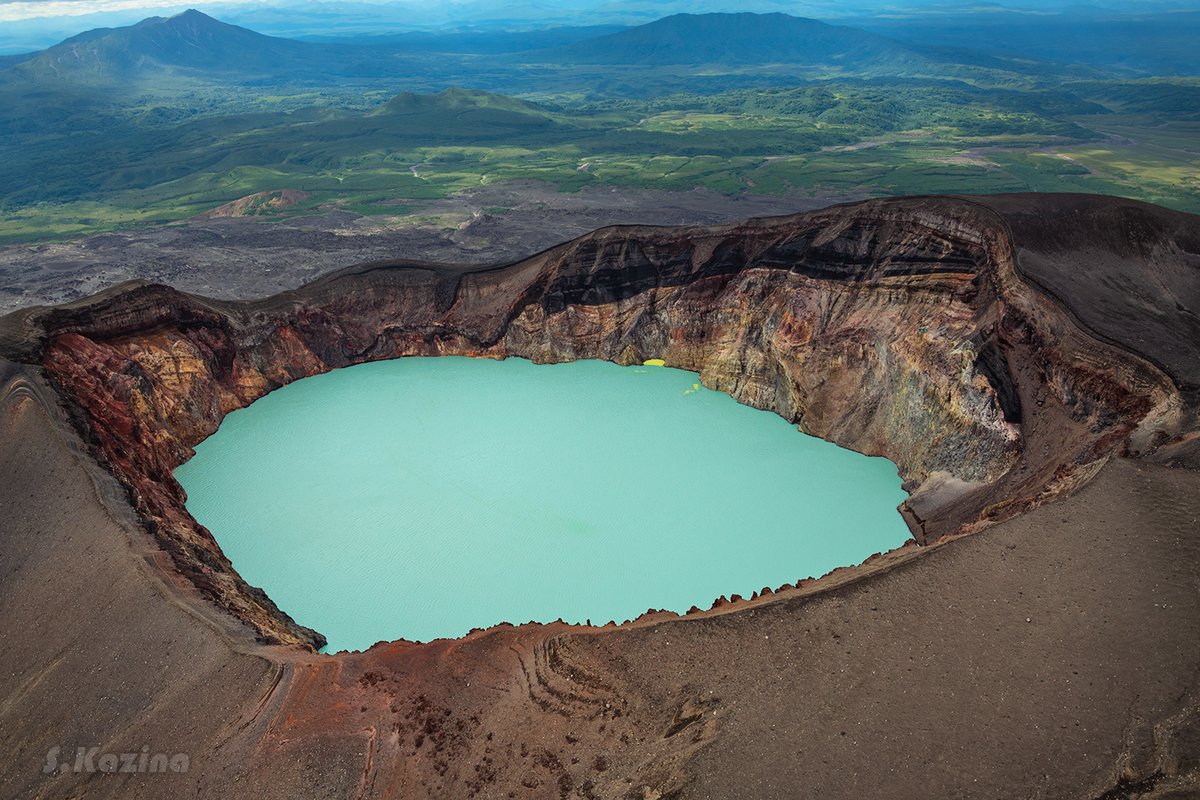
(1044, 642)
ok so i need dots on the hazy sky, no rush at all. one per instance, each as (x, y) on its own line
(13, 10)
(418, 10)
(27, 9)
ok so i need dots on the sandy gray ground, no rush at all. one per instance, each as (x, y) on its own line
(97, 652)
(248, 257)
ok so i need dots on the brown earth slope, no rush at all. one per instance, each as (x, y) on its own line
(1056, 654)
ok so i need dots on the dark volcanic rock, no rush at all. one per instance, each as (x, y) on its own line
(1129, 271)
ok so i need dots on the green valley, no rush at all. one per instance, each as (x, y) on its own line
(379, 136)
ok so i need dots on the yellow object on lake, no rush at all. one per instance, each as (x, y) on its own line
(654, 362)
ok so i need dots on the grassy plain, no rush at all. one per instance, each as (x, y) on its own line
(164, 157)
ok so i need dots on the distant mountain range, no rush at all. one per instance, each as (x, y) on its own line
(1148, 36)
(196, 44)
(735, 39)
(751, 49)
(1158, 44)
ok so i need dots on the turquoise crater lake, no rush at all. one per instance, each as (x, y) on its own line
(422, 497)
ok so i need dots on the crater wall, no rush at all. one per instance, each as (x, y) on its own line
(901, 328)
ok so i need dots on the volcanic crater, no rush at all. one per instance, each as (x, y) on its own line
(991, 347)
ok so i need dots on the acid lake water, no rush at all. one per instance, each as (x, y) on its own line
(423, 497)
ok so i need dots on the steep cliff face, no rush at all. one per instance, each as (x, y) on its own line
(897, 328)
